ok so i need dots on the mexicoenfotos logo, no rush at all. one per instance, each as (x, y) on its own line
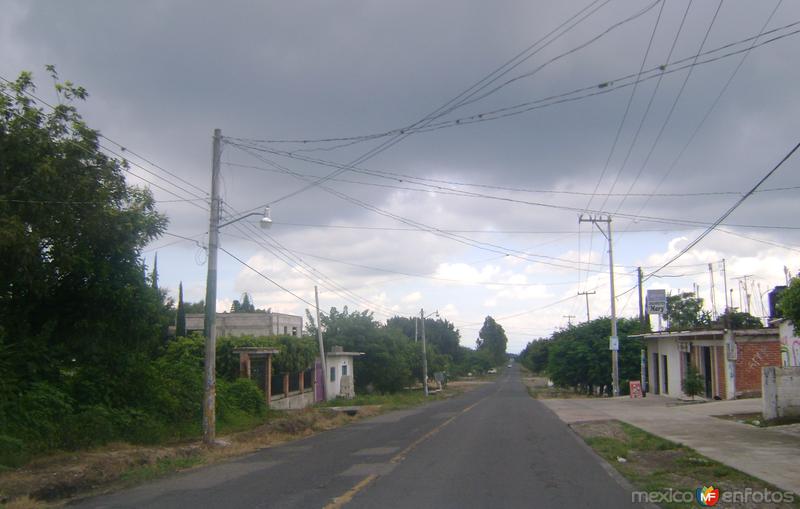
(707, 496)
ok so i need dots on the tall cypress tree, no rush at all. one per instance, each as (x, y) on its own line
(180, 321)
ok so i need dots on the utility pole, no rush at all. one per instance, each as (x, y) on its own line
(641, 302)
(210, 381)
(321, 348)
(744, 297)
(424, 354)
(416, 329)
(587, 303)
(569, 319)
(725, 282)
(614, 339)
(713, 295)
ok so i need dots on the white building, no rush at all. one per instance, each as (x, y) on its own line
(339, 379)
(259, 323)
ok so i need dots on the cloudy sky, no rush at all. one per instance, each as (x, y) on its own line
(467, 137)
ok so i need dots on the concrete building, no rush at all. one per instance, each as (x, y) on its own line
(259, 323)
(730, 362)
(340, 373)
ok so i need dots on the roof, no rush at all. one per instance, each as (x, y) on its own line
(343, 354)
(707, 333)
(256, 350)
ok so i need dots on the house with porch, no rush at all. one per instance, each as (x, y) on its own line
(294, 391)
(729, 361)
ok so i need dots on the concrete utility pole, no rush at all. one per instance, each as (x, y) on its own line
(209, 380)
(725, 283)
(713, 294)
(569, 319)
(588, 319)
(641, 303)
(424, 354)
(614, 339)
(321, 348)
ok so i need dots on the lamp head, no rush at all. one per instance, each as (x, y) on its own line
(266, 221)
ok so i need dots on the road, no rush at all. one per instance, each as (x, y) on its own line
(492, 447)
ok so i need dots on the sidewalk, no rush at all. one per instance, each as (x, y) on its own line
(770, 454)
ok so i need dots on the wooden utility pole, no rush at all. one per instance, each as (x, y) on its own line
(588, 319)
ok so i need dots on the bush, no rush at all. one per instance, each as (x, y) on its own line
(240, 397)
(37, 416)
(693, 382)
(13, 452)
(93, 425)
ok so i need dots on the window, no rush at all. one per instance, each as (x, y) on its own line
(294, 331)
(333, 373)
(344, 369)
(285, 329)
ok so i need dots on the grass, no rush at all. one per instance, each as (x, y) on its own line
(653, 464)
(160, 468)
(396, 401)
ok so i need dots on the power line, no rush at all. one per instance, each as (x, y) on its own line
(258, 272)
(386, 145)
(723, 216)
(401, 177)
(711, 108)
(599, 88)
(459, 192)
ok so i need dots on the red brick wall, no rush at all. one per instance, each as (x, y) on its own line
(751, 357)
(720, 359)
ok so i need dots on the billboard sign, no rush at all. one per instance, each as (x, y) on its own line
(656, 302)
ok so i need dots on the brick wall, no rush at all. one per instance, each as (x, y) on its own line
(751, 357)
(722, 381)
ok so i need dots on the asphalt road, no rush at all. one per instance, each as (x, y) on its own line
(492, 447)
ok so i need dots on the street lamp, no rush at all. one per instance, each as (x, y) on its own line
(210, 377)
(425, 349)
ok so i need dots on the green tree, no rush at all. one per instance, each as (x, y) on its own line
(737, 320)
(390, 358)
(535, 355)
(492, 338)
(439, 333)
(685, 311)
(180, 317)
(789, 302)
(71, 235)
(195, 307)
(245, 306)
(579, 357)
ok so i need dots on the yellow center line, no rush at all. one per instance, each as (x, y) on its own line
(341, 500)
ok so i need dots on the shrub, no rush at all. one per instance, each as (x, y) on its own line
(241, 396)
(38, 414)
(13, 452)
(92, 425)
(693, 382)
